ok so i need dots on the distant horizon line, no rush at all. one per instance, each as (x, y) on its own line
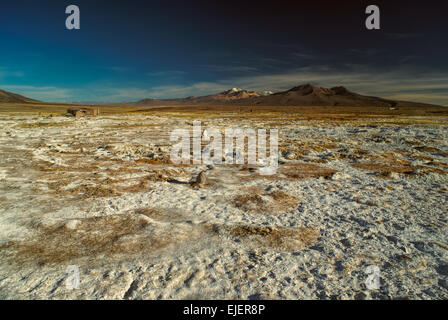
(106, 102)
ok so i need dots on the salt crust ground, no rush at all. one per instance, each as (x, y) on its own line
(100, 193)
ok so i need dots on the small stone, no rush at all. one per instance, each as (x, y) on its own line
(340, 176)
(289, 155)
(394, 175)
(200, 180)
(72, 224)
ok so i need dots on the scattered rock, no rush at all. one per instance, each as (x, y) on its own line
(394, 175)
(340, 176)
(200, 180)
(72, 224)
(289, 155)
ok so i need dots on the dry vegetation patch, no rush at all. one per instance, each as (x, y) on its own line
(43, 125)
(91, 191)
(100, 188)
(157, 161)
(389, 158)
(278, 237)
(251, 202)
(306, 171)
(385, 170)
(257, 200)
(94, 182)
(92, 237)
(103, 238)
(427, 149)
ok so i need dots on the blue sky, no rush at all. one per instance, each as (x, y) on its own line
(129, 50)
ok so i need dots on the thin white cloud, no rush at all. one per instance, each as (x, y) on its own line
(121, 94)
(304, 56)
(167, 73)
(46, 93)
(227, 68)
(7, 73)
(196, 89)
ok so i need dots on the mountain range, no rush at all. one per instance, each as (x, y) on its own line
(303, 95)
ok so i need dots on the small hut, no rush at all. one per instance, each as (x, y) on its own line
(81, 112)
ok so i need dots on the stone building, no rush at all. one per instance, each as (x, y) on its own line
(81, 112)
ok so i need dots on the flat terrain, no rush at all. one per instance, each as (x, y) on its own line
(311, 112)
(355, 188)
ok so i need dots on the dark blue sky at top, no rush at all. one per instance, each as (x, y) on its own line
(127, 50)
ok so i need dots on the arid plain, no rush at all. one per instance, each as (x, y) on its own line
(356, 187)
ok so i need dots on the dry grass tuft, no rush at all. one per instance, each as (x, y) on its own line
(96, 238)
(42, 125)
(427, 149)
(306, 171)
(284, 197)
(166, 174)
(154, 161)
(257, 200)
(385, 170)
(278, 237)
(92, 191)
(58, 180)
(250, 202)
